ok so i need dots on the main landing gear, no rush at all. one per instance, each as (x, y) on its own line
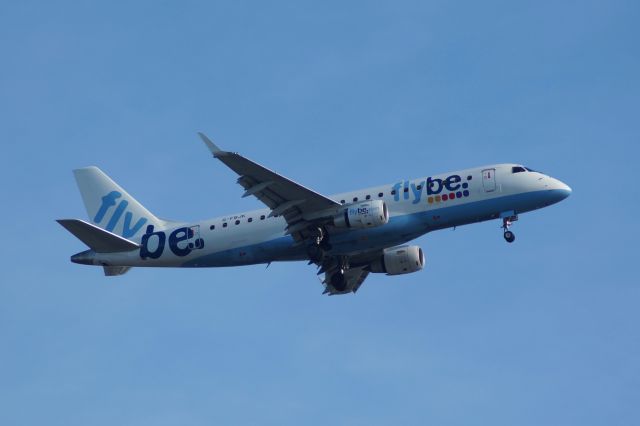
(506, 223)
(319, 243)
(338, 279)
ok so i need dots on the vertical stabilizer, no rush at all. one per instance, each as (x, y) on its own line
(112, 208)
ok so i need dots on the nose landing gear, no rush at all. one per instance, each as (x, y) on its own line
(506, 223)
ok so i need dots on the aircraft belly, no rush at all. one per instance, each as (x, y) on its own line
(277, 249)
(398, 230)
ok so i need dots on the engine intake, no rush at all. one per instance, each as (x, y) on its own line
(399, 260)
(365, 214)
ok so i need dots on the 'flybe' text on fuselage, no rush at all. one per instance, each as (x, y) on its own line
(434, 186)
(182, 241)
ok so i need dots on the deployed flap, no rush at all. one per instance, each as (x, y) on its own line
(354, 277)
(96, 238)
(283, 196)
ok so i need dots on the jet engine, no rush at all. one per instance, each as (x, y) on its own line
(399, 260)
(365, 214)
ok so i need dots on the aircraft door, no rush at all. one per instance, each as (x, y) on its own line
(489, 180)
(195, 242)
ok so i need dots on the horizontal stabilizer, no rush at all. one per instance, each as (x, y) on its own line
(96, 238)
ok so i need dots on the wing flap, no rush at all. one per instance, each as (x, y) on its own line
(353, 279)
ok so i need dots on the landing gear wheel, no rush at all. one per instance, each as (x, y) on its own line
(509, 236)
(337, 281)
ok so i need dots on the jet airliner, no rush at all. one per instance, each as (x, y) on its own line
(348, 236)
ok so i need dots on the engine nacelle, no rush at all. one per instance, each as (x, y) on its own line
(399, 260)
(365, 214)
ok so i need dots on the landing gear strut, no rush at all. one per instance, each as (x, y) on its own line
(322, 238)
(318, 241)
(506, 223)
(316, 235)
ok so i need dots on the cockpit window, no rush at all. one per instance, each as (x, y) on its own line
(518, 169)
(530, 170)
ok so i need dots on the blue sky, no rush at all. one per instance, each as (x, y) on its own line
(336, 96)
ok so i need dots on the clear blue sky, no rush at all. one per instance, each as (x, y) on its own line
(336, 95)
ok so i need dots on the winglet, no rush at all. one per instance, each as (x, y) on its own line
(212, 146)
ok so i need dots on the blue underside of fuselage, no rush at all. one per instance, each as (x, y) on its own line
(398, 230)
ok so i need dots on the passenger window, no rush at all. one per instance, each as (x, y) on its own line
(469, 177)
(224, 225)
(380, 194)
(406, 190)
(341, 201)
(237, 222)
(212, 227)
(261, 217)
(368, 197)
(250, 220)
(393, 192)
(419, 187)
(355, 199)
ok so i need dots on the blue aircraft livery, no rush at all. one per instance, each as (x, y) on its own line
(434, 186)
(347, 236)
(182, 241)
(109, 201)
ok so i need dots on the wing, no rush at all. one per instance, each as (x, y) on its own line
(298, 205)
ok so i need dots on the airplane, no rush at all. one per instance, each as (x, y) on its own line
(347, 236)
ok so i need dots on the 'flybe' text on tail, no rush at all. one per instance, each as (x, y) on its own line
(110, 207)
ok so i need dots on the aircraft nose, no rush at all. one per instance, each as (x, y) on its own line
(563, 189)
(558, 189)
(566, 189)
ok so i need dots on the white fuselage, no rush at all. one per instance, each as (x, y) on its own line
(416, 206)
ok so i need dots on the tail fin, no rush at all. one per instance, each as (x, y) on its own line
(110, 207)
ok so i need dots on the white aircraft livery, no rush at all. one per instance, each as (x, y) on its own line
(347, 235)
